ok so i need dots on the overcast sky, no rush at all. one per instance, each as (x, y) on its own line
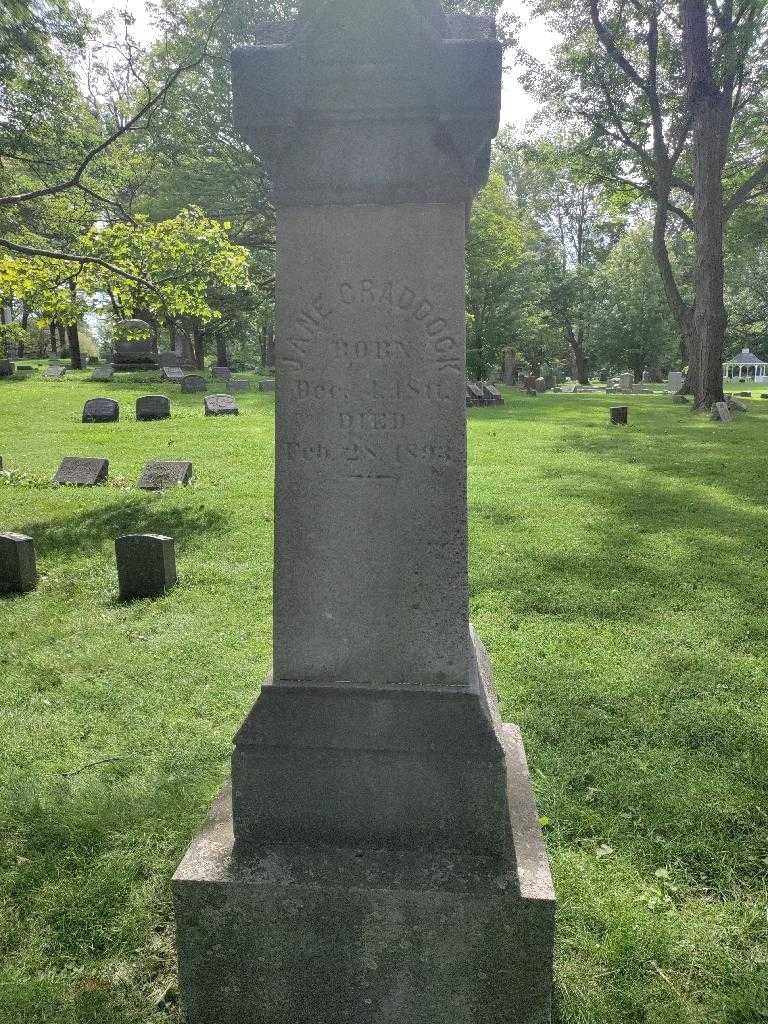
(516, 106)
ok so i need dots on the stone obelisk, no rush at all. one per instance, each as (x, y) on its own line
(379, 859)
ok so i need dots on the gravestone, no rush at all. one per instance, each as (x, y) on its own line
(101, 410)
(82, 472)
(103, 374)
(54, 372)
(221, 372)
(675, 381)
(626, 381)
(153, 407)
(267, 385)
(160, 476)
(146, 565)
(93, 360)
(619, 415)
(191, 383)
(7, 369)
(132, 354)
(235, 384)
(173, 373)
(380, 859)
(475, 392)
(18, 571)
(540, 385)
(221, 405)
(492, 394)
(509, 370)
(169, 359)
(721, 411)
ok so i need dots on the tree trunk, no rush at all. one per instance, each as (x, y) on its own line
(62, 336)
(271, 345)
(73, 335)
(578, 359)
(54, 345)
(710, 109)
(199, 344)
(222, 355)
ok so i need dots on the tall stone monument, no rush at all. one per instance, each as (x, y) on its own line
(380, 858)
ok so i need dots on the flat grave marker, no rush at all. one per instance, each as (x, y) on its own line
(192, 383)
(221, 405)
(82, 472)
(54, 372)
(235, 384)
(103, 374)
(160, 476)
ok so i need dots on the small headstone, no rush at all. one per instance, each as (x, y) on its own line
(721, 412)
(93, 360)
(267, 385)
(221, 405)
(237, 384)
(160, 476)
(101, 410)
(82, 472)
(54, 372)
(619, 415)
(103, 374)
(735, 405)
(153, 407)
(540, 385)
(675, 381)
(191, 383)
(172, 373)
(492, 394)
(169, 359)
(25, 370)
(221, 372)
(475, 393)
(18, 572)
(744, 394)
(764, 395)
(7, 369)
(626, 381)
(647, 377)
(146, 565)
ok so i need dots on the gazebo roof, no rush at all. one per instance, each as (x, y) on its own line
(745, 358)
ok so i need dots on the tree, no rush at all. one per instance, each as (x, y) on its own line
(673, 98)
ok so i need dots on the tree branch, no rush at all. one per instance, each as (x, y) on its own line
(80, 258)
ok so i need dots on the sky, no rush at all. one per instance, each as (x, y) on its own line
(516, 106)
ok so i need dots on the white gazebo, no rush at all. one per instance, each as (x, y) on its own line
(746, 366)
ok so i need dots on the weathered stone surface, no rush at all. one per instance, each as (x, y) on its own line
(191, 383)
(101, 410)
(221, 372)
(235, 384)
(619, 415)
(492, 394)
(374, 762)
(675, 382)
(135, 355)
(18, 571)
(159, 476)
(169, 359)
(267, 385)
(475, 394)
(221, 405)
(735, 405)
(82, 472)
(173, 373)
(7, 369)
(721, 412)
(103, 374)
(540, 385)
(626, 381)
(146, 565)
(54, 372)
(153, 407)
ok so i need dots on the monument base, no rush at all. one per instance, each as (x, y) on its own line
(317, 934)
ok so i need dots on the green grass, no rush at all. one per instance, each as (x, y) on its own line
(619, 581)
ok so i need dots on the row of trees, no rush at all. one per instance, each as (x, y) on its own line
(630, 233)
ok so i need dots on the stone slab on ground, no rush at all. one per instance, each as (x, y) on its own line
(101, 410)
(103, 374)
(146, 565)
(82, 472)
(221, 372)
(153, 407)
(191, 383)
(18, 570)
(54, 372)
(721, 411)
(235, 385)
(159, 476)
(221, 405)
(173, 373)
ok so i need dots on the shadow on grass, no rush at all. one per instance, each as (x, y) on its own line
(90, 528)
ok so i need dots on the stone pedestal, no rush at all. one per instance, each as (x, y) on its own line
(380, 860)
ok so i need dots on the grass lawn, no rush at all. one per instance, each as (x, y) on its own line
(618, 579)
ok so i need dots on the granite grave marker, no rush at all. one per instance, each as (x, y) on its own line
(101, 410)
(191, 383)
(159, 476)
(103, 374)
(18, 571)
(221, 405)
(380, 857)
(54, 372)
(146, 565)
(82, 472)
(153, 407)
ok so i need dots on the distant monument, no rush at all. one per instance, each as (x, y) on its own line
(379, 858)
(136, 348)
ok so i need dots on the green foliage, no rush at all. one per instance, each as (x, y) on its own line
(11, 334)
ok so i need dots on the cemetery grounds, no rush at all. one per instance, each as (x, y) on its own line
(618, 577)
